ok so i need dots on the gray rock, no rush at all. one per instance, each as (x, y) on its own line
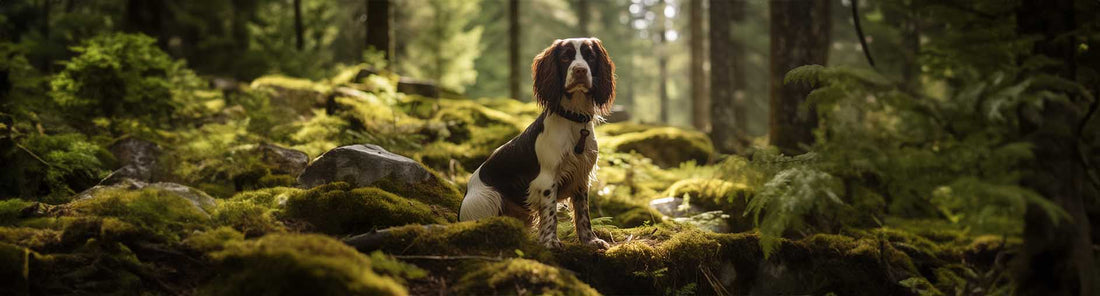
(361, 165)
(137, 158)
(677, 211)
(675, 207)
(199, 199)
(283, 160)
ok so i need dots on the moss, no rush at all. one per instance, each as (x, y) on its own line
(276, 180)
(213, 240)
(486, 237)
(161, 213)
(521, 276)
(619, 128)
(336, 208)
(267, 197)
(33, 238)
(667, 147)
(628, 213)
(14, 270)
(400, 271)
(712, 194)
(94, 268)
(11, 210)
(296, 264)
(434, 191)
(248, 217)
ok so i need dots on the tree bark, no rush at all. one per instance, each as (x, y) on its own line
(299, 40)
(582, 17)
(700, 118)
(740, 107)
(722, 116)
(1058, 256)
(799, 36)
(662, 61)
(378, 27)
(513, 49)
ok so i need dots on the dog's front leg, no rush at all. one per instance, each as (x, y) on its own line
(543, 198)
(582, 221)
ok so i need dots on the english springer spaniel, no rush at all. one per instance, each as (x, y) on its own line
(555, 157)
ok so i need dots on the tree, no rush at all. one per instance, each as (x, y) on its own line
(1060, 256)
(799, 36)
(299, 40)
(699, 102)
(378, 27)
(723, 125)
(443, 44)
(513, 49)
(662, 59)
(581, 8)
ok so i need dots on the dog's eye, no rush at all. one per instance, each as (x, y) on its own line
(567, 55)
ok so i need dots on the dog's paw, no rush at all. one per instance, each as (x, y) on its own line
(554, 244)
(598, 243)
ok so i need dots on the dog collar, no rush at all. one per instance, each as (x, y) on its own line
(573, 116)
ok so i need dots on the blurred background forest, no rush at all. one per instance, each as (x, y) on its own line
(958, 136)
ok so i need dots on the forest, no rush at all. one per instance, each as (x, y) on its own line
(754, 147)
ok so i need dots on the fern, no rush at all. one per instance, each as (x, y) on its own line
(787, 199)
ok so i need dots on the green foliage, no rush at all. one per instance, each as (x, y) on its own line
(51, 168)
(118, 77)
(444, 45)
(338, 208)
(786, 199)
(295, 264)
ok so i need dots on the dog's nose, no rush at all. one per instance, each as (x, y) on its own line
(580, 71)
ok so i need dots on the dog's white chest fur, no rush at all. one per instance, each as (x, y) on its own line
(555, 148)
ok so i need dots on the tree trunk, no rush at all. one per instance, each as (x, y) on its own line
(582, 17)
(378, 27)
(662, 61)
(799, 36)
(723, 126)
(1059, 256)
(700, 118)
(299, 40)
(145, 16)
(513, 49)
(737, 67)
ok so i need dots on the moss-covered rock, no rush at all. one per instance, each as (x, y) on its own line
(487, 237)
(627, 213)
(338, 208)
(667, 146)
(520, 277)
(213, 240)
(162, 213)
(300, 95)
(296, 264)
(712, 194)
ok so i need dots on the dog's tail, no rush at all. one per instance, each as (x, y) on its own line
(481, 201)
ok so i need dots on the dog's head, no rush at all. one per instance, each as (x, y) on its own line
(575, 65)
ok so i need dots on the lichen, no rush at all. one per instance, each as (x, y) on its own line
(521, 276)
(296, 264)
(337, 208)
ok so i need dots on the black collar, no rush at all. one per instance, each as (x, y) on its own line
(573, 116)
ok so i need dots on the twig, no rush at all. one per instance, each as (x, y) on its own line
(446, 257)
(713, 281)
(859, 33)
(34, 155)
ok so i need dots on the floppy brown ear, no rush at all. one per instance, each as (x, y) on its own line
(549, 83)
(603, 76)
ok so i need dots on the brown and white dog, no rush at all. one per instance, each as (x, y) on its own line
(555, 157)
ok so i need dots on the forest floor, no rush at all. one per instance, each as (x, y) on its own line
(259, 213)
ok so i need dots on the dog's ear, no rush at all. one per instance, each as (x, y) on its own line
(549, 83)
(603, 76)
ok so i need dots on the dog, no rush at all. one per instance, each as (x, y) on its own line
(554, 158)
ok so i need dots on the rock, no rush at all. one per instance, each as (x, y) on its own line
(618, 114)
(675, 207)
(138, 160)
(361, 165)
(713, 221)
(666, 146)
(417, 87)
(283, 160)
(199, 199)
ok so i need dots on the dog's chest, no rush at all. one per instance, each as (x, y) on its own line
(559, 144)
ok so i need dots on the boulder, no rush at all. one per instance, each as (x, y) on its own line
(666, 146)
(199, 199)
(674, 207)
(137, 158)
(283, 160)
(417, 87)
(361, 165)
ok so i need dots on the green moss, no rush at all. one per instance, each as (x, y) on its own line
(267, 197)
(214, 239)
(11, 210)
(521, 276)
(162, 213)
(434, 191)
(276, 180)
(337, 208)
(33, 238)
(712, 194)
(667, 147)
(628, 213)
(14, 269)
(298, 264)
(487, 237)
(96, 267)
(248, 217)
